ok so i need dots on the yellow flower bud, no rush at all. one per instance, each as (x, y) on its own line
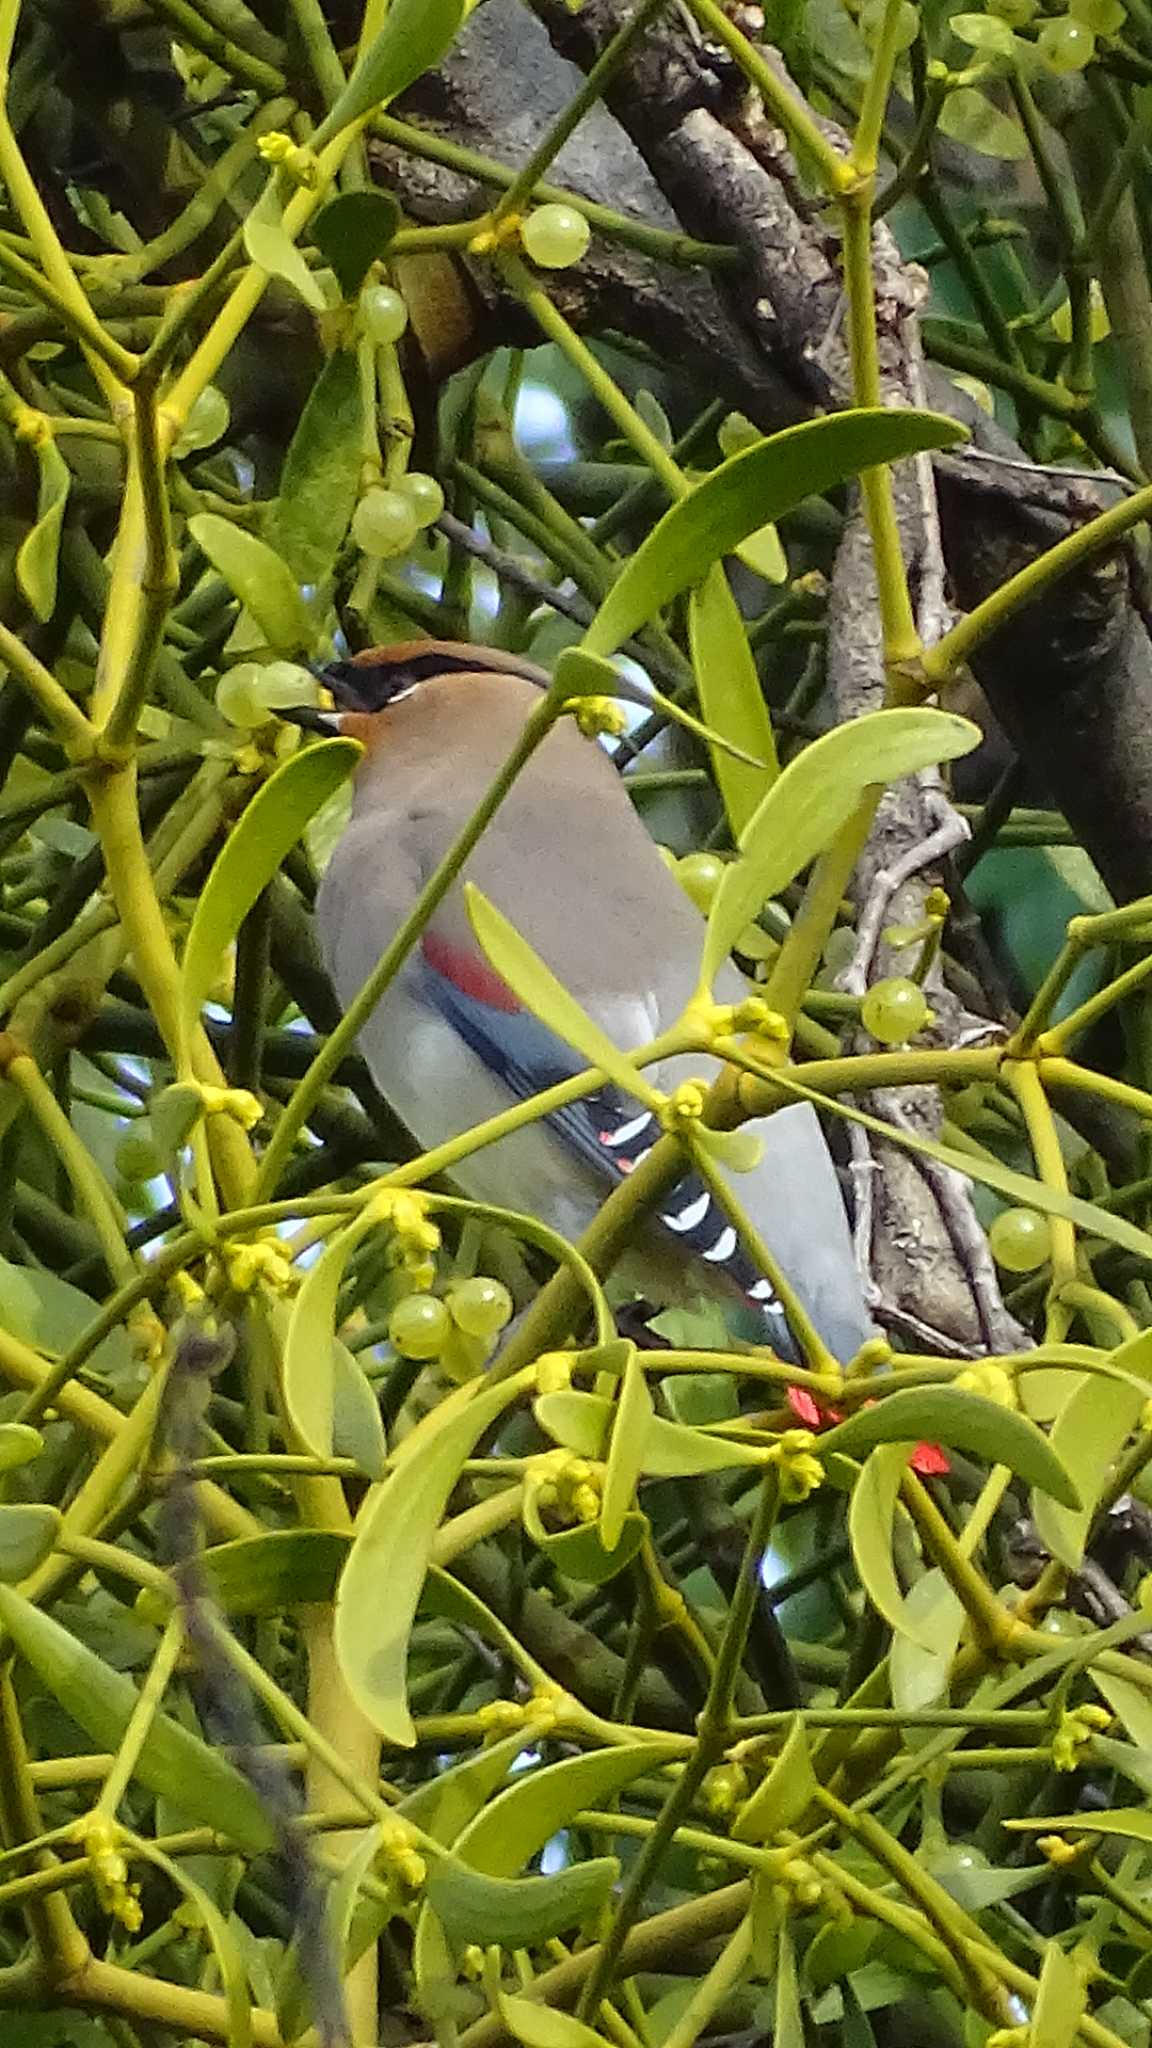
(991, 1381)
(500, 1717)
(1060, 1853)
(800, 1472)
(279, 149)
(100, 1838)
(1074, 1733)
(240, 1104)
(596, 715)
(263, 1261)
(684, 1106)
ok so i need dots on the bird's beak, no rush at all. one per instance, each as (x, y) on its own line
(329, 723)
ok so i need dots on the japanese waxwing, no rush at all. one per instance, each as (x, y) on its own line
(568, 862)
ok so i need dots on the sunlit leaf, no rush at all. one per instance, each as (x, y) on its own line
(784, 1796)
(731, 699)
(581, 1421)
(320, 480)
(581, 1553)
(328, 1398)
(1089, 1432)
(871, 1522)
(445, 1804)
(38, 559)
(969, 117)
(268, 829)
(515, 1826)
(788, 2030)
(271, 247)
(1060, 2000)
(173, 1763)
(1134, 1822)
(352, 231)
(921, 1657)
(380, 1587)
(814, 796)
(1134, 1709)
(744, 493)
(763, 553)
(626, 1449)
(962, 1421)
(256, 574)
(538, 989)
(581, 674)
(543, 2026)
(415, 35)
(518, 1913)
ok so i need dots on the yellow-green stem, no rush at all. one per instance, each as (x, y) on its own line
(148, 1703)
(90, 1186)
(552, 323)
(59, 1943)
(1027, 1087)
(901, 638)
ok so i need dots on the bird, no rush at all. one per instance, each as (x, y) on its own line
(569, 863)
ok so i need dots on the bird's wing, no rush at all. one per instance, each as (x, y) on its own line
(608, 1130)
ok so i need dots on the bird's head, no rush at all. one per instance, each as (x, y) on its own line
(368, 687)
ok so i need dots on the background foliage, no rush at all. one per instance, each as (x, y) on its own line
(374, 1667)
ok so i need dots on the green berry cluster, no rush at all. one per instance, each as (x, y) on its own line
(389, 516)
(468, 1321)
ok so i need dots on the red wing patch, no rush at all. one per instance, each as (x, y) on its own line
(469, 972)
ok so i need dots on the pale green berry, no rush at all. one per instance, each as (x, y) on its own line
(423, 494)
(383, 312)
(700, 875)
(1066, 45)
(286, 683)
(894, 1010)
(480, 1307)
(1021, 1240)
(238, 696)
(418, 1326)
(384, 523)
(555, 236)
